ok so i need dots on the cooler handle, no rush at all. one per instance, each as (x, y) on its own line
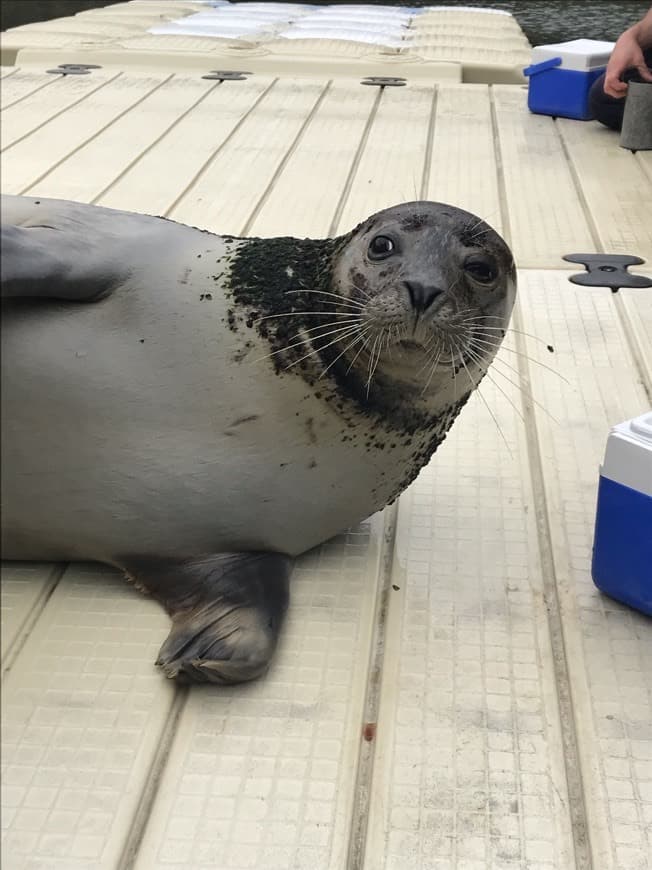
(541, 67)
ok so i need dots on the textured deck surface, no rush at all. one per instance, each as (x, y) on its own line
(512, 702)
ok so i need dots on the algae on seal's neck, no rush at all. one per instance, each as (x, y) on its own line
(269, 275)
(283, 288)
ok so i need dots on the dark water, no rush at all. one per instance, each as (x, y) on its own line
(542, 20)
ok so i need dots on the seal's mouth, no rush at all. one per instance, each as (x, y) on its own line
(410, 344)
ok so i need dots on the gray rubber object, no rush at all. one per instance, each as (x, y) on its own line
(636, 132)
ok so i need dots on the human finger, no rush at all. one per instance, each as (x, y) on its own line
(615, 87)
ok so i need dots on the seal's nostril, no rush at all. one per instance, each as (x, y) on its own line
(422, 295)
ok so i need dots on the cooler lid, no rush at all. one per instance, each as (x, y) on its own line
(578, 54)
(642, 426)
(628, 457)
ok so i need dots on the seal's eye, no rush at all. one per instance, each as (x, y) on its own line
(380, 248)
(481, 269)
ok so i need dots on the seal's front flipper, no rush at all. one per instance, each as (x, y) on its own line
(227, 611)
(54, 249)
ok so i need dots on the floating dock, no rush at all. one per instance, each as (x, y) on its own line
(451, 692)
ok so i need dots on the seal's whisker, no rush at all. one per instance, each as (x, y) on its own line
(314, 329)
(378, 355)
(320, 326)
(316, 332)
(317, 350)
(476, 386)
(371, 356)
(527, 393)
(375, 365)
(371, 359)
(501, 329)
(517, 386)
(477, 224)
(398, 338)
(481, 352)
(479, 320)
(311, 313)
(357, 338)
(479, 362)
(483, 220)
(365, 344)
(379, 352)
(483, 341)
(343, 300)
(461, 315)
(360, 290)
(435, 338)
(454, 284)
(451, 352)
(388, 338)
(432, 372)
(346, 328)
(436, 357)
(481, 232)
(497, 332)
(436, 353)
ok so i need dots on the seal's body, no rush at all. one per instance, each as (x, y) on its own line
(143, 424)
(195, 408)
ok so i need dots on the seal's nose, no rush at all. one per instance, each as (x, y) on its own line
(422, 295)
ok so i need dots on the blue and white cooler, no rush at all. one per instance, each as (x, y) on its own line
(622, 547)
(561, 76)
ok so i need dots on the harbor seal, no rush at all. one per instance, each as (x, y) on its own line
(198, 409)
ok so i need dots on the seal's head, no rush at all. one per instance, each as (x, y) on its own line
(402, 315)
(433, 287)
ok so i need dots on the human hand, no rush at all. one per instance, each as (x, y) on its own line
(627, 54)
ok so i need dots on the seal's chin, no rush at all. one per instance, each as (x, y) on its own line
(429, 346)
(441, 350)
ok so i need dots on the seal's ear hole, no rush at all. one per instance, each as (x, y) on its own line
(481, 268)
(381, 247)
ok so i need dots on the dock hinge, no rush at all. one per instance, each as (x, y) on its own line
(384, 81)
(608, 270)
(74, 69)
(227, 75)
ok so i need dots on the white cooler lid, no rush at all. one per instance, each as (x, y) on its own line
(578, 54)
(628, 457)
